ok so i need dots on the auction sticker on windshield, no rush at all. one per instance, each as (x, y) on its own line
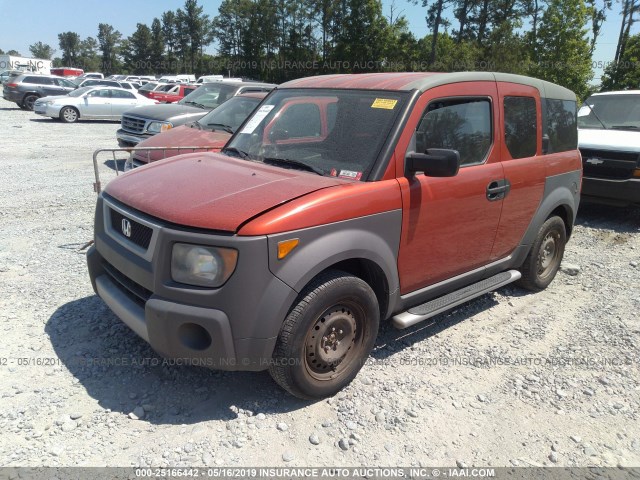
(385, 103)
(257, 118)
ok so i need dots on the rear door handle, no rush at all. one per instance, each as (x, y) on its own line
(498, 189)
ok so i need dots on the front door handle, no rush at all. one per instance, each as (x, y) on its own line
(498, 189)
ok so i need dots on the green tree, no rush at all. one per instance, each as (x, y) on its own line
(41, 50)
(157, 47)
(562, 53)
(88, 57)
(15, 53)
(109, 42)
(169, 34)
(1, 52)
(364, 38)
(137, 55)
(195, 32)
(624, 74)
(70, 48)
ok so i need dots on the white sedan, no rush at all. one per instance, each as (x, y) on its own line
(97, 103)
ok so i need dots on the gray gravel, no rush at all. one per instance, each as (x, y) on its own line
(511, 378)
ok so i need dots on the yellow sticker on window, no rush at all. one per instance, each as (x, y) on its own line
(386, 103)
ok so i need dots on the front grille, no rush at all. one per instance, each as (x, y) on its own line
(608, 164)
(132, 124)
(140, 234)
(135, 291)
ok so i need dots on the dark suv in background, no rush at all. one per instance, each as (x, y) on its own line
(24, 90)
(144, 122)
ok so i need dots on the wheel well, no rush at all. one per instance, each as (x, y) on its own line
(36, 94)
(564, 212)
(371, 273)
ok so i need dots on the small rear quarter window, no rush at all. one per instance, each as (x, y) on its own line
(520, 126)
(561, 125)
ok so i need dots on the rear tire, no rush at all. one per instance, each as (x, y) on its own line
(327, 337)
(28, 101)
(544, 258)
(69, 115)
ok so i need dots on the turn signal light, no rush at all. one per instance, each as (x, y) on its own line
(285, 247)
(636, 173)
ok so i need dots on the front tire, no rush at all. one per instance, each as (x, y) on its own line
(544, 258)
(69, 115)
(326, 338)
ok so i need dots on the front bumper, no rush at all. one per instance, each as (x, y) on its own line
(217, 328)
(128, 139)
(47, 110)
(615, 192)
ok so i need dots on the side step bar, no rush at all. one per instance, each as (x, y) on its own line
(441, 304)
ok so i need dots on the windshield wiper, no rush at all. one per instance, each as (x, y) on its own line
(199, 105)
(238, 152)
(293, 163)
(595, 115)
(221, 126)
(624, 127)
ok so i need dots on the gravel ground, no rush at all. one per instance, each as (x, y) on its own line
(512, 378)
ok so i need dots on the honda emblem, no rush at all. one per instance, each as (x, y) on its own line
(126, 227)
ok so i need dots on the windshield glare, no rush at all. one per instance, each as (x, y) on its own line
(334, 132)
(78, 92)
(232, 113)
(149, 86)
(210, 96)
(614, 111)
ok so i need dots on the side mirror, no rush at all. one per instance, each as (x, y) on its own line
(437, 162)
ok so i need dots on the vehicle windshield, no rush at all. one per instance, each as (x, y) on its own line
(616, 112)
(78, 92)
(166, 88)
(149, 86)
(230, 115)
(334, 132)
(209, 96)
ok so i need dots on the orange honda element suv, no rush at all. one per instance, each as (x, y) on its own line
(341, 202)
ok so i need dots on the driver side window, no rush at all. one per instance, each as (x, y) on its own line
(464, 125)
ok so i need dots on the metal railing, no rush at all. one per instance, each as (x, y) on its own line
(129, 163)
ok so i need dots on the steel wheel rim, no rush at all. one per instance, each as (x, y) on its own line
(69, 114)
(333, 341)
(549, 254)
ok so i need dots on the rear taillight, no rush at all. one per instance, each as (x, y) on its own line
(12, 85)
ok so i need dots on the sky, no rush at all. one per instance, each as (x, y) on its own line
(24, 22)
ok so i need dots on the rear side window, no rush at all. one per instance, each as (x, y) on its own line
(39, 80)
(520, 129)
(301, 120)
(561, 124)
(462, 125)
(122, 94)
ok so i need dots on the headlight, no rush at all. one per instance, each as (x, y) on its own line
(202, 266)
(158, 127)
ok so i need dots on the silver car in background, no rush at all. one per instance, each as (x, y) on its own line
(91, 103)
